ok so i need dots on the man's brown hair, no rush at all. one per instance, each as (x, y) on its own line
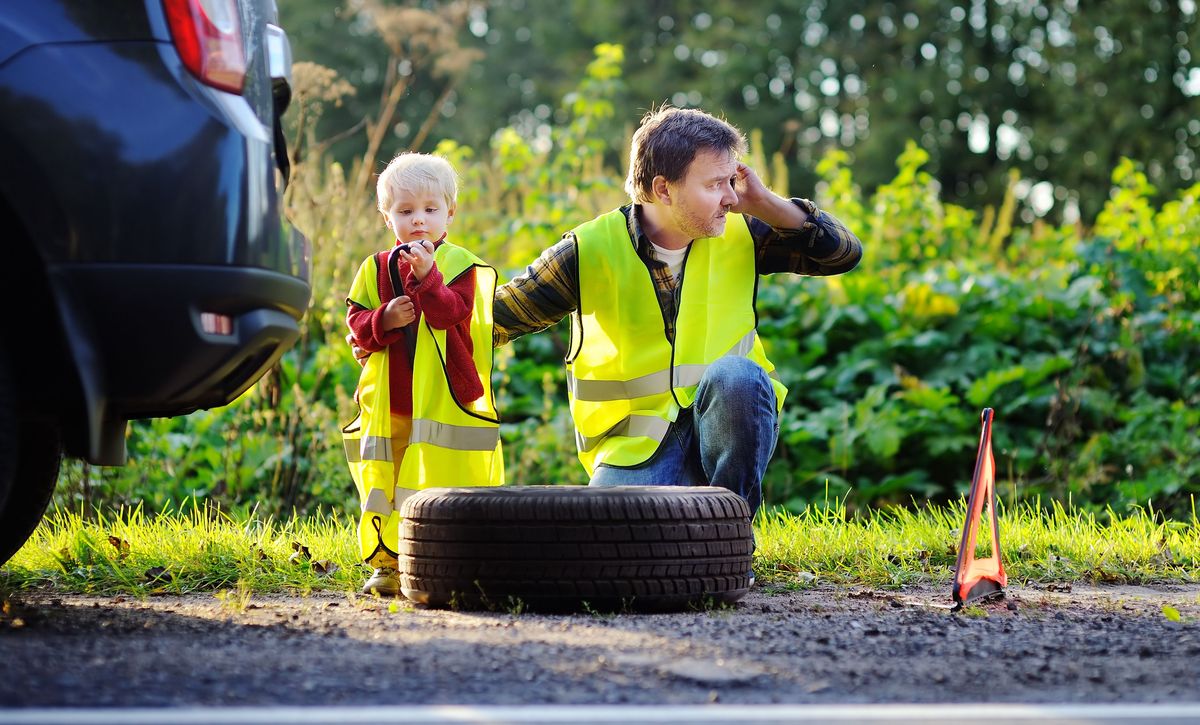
(667, 142)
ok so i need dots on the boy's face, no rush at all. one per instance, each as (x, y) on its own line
(418, 216)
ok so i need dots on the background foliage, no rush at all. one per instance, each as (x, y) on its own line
(1085, 338)
(1059, 91)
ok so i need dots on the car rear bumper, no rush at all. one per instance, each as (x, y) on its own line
(140, 328)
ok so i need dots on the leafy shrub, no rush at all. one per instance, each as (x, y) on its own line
(1086, 343)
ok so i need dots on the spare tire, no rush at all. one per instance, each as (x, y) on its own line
(566, 548)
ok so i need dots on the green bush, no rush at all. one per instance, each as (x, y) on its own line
(1085, 342)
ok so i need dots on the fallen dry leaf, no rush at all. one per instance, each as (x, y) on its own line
(300, 553)
(325, 567)
(121, 545)
(158, 575)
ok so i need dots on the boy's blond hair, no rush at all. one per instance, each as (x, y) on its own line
(416, 173)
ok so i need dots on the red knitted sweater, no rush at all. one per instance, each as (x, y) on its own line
(445, 307)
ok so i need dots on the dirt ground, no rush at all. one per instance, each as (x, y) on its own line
(823, 645)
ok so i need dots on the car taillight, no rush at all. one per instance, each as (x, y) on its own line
(208, 36)
(216, 324)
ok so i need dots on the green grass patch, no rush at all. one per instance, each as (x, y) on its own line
(189, 549)
(895, 547)
(196, 549)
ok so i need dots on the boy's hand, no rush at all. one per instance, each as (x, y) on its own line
(420, 256)
(398, 312)
(360, 355)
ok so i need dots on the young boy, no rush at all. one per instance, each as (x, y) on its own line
(423, 310)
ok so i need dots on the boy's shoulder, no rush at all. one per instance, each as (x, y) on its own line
(450, 249)
(376, 257)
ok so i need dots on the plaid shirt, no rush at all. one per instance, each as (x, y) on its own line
(548, 290)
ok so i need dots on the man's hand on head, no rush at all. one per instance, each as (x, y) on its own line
(749, 188)
(756, 200)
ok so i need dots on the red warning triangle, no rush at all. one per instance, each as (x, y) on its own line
(978, 578)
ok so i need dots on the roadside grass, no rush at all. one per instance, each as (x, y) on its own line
(897, 547)
(187, 549)
(196, 549)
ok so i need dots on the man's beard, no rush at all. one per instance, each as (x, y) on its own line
(697, 226)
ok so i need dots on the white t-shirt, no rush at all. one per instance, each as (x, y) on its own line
(672, 257)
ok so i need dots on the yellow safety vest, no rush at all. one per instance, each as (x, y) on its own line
(626, 382)
(452, 443)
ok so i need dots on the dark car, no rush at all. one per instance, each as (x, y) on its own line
(146, 268)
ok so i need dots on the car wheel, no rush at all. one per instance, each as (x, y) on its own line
(8, 432)
(30, 455)
(556, 548)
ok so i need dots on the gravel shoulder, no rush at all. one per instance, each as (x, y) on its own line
(822, 645)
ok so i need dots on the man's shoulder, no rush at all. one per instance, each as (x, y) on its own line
(606, 223)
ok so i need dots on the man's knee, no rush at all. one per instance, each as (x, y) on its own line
(732, 374)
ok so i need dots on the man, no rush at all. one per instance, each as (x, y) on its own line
(667, 379)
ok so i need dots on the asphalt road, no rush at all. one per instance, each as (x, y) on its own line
(1108, 652)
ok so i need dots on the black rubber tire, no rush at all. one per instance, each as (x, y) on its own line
(9, 445)
(570, 548)
(30, 455)
(33, 486)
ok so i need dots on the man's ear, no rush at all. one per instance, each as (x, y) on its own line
(661, 190)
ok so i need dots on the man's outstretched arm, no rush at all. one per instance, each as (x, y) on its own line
(546, 292)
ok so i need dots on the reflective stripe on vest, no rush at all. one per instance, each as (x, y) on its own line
(626, 381)
(653, 384)
(646, 426)
(377, 502)
(457, 437)
(368, 448)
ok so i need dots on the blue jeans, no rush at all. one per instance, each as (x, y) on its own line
(725, 439)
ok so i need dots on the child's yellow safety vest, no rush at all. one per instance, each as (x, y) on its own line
(452, 443)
